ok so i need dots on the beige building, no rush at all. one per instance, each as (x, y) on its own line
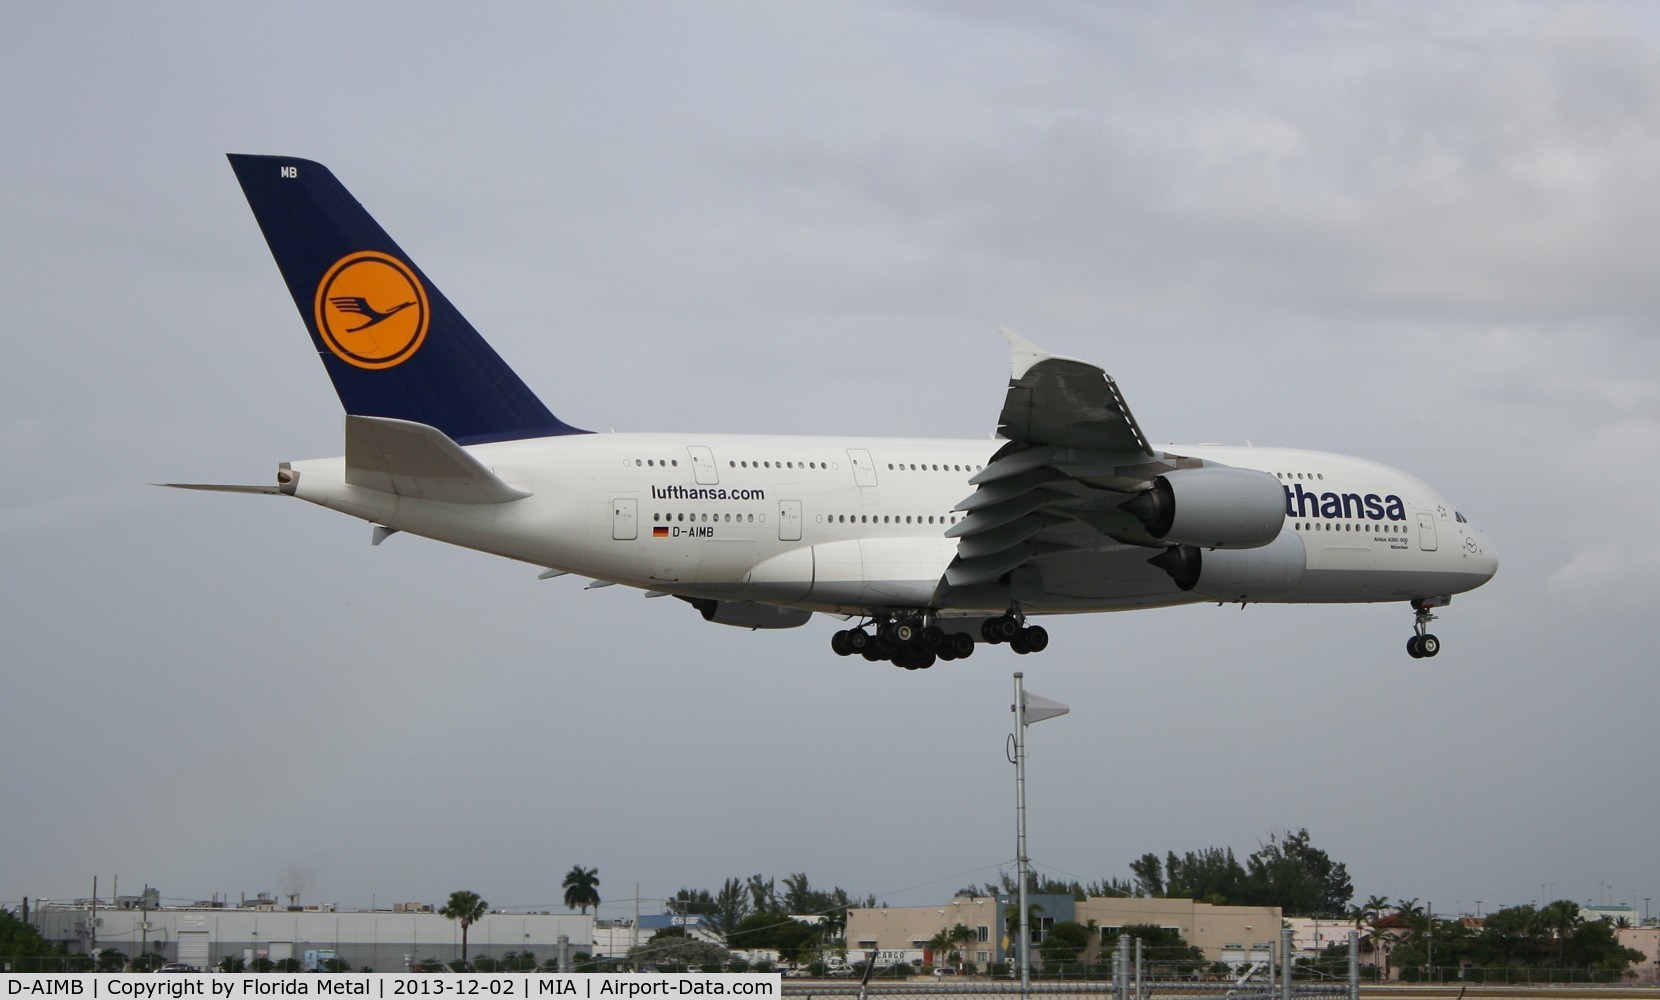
(902, 933)
(1222, 933)
(1647, 941)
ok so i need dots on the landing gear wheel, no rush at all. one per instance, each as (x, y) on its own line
(838, 644)
(1000, 629)
(913, 659)
(903, 633)
(1035, 638)
(933, 637)
(857, 640)
(961, 645)
(1428, 645)
(1412, 649)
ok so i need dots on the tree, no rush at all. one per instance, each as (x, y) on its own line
(763, 896)
(22, 947)
(1163, 945)
(1366, 917)
(1561, 919)
(581, 888)
(465, 906)
(1291, 873)
(1211, 875)
(690, 902)
(1064, 945)
(962, 936)
(1149, 874)
(794, 941)
(731, 906)
(672, 947)
(111, 960)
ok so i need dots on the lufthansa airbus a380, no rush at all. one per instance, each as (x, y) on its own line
(929, 546)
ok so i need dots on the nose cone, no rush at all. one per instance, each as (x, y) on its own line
(1480, 555)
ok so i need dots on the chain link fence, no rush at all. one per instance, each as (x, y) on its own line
(1126, 977)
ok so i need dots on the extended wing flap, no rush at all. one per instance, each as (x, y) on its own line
(415, 460)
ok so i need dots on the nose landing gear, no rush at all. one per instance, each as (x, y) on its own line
(1423, 644)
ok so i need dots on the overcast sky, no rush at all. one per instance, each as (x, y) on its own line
(1424, 234)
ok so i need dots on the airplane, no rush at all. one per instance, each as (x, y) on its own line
(931, 548)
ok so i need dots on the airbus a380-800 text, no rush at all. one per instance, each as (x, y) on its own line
(928, 547)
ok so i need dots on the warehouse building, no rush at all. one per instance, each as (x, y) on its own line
(1231, 934)
(390, 940)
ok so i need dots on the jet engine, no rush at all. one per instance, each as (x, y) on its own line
(1214, 507)
(1260, 574)
(745, 614)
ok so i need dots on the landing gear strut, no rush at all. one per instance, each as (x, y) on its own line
(1422, 643)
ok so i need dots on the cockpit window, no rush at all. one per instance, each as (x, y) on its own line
(1461, 517)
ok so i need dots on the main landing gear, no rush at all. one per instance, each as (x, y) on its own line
(1422, 644)
(1022, 638)
(906, 641)
(916, 645)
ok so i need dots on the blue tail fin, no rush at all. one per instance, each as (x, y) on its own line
(391, 342)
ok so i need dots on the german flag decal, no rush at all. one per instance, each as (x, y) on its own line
(659, 532)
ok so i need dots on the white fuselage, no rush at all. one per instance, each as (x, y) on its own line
(850, 526)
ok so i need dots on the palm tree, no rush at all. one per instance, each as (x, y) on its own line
(1367, 915)
(581, 888)
(960, 936)
(467, 907)
(1560, 918)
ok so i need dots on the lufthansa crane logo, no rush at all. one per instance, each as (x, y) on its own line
(372, 310)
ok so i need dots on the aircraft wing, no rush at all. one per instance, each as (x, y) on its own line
(1060, 402)
(1074, 456)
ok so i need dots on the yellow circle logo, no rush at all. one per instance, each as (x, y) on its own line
(371, 310)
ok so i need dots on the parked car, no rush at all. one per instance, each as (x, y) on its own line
(177, 967)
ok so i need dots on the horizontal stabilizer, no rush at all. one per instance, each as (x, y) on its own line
(219, 488)
(414, 460)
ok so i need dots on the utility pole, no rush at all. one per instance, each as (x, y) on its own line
(1429, 914)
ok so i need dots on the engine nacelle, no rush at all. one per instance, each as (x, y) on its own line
(1215, 507)
(1264, 573)
(743, 614)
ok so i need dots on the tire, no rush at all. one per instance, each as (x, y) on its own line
(1007, 628)
(1429, 645)
(1412, 649)
(903, 632)
(838, 643)
(989, 633)
(1018, 643)
(1036, 638)
(857, 640)
(933, 637)
(961, 645)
